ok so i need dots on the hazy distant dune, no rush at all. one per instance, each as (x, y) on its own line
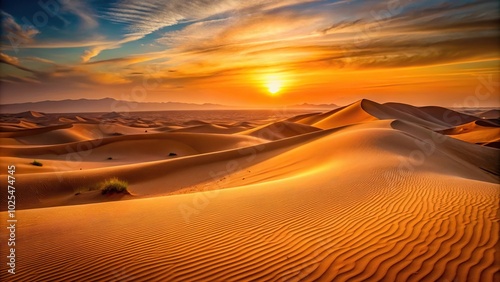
(491, 114)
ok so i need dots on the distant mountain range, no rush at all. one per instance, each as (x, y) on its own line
(314, 106)
(112, 105)
(103, 105)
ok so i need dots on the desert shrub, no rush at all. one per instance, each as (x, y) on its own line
(36, 163)
(114, 185)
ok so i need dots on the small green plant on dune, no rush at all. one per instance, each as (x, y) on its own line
(36, 163)
(114, 185)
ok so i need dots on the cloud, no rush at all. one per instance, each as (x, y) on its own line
(61, 74)
(14, 61)
(18, 79)
(13, 34)
(89, 41)
(297, 39)
(414, 52)
(152, 15)
(81, 75)
(40, 60)
(88, 19)
(238, 39)
(126, 60)
(96, 50)
(90, 53)
(6, 59)
(340, 25)
(312, 37)
(82, 10)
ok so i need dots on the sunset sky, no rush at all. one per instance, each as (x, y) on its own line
(255, 53)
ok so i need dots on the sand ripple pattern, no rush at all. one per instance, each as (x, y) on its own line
(416, 229)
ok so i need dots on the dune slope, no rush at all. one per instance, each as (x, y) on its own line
(280, 130)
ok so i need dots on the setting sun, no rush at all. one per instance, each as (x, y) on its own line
(274, 84)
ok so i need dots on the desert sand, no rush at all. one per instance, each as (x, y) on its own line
(365, 192)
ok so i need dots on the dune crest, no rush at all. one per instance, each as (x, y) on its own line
(280, 130)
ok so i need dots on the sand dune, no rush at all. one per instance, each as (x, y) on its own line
(71, 132)
(29, 131)
(493, 114)
(280, 130)
(351, 114)
(208, 128)
(30, 114)
(482, 132)
(471, 156)
(314, 117)
(57, 136)
(112, 115)
(80, 119)
(434, 118)
(437, 115)
(67, 120)
(210, 152)
(195, 122)
(365, 192)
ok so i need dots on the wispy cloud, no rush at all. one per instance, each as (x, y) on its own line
(10, 60)
(13, 34)
(40, 60)
(152, 15)
(308, 39)
(292, 38)
(96, 50)
(81, 9)
(14, 61)
(18, 79)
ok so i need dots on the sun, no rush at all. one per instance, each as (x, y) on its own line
(274, 84)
